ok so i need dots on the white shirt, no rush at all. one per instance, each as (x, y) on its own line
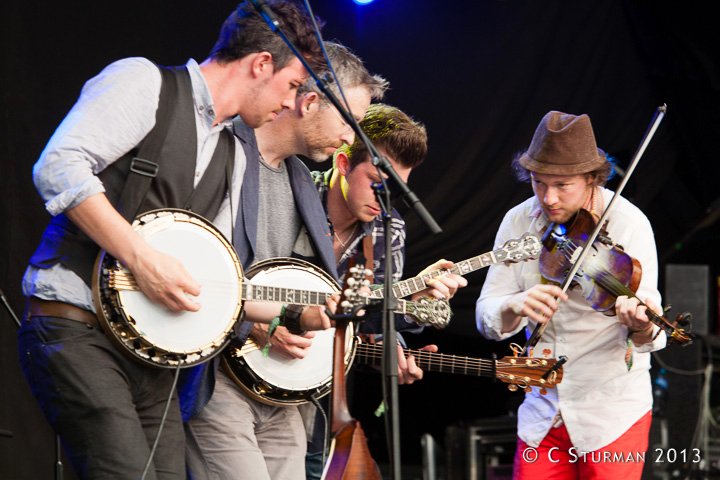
(598, 398)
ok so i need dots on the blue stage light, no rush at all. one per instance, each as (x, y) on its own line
(363, 2)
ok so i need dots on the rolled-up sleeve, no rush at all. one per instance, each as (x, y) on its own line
(501, 283)
(115, 111)
(642, 245)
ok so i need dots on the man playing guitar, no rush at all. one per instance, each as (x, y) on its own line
(353, 213)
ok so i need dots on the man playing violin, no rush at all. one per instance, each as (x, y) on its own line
(596, 423)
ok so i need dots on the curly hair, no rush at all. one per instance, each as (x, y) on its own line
(600, 176)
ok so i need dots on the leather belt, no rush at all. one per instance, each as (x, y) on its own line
(37, 307)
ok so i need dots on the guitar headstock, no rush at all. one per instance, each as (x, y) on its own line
(430, 311)
(527, 247)
(526, 372)
(350, 298)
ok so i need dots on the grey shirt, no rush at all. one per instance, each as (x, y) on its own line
(278, 219)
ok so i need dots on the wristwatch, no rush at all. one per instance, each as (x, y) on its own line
(291, 319)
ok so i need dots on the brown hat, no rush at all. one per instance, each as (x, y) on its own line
(563, 144)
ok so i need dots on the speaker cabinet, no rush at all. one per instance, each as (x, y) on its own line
(688, 289)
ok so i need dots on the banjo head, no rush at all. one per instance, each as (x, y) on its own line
(278, 379)
(149, 331)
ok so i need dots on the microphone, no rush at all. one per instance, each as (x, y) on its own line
(396, 183)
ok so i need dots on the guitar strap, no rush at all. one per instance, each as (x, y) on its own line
(206, 197)
(369, 254)
(142, 170)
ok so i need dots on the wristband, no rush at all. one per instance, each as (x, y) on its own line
(274, 323)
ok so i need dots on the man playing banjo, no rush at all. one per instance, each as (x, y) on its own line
(136, 117)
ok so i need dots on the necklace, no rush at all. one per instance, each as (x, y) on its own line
(343, 245)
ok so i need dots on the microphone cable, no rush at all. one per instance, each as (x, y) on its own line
(326, 438)
(162, 422)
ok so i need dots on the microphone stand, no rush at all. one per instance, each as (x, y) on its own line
(378, 160)
(7, 433)
(389, 357)
(395, 182)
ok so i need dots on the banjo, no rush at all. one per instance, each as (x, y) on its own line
(293, 379)
(150, 333)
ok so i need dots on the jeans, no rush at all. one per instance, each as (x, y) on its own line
(105, 406)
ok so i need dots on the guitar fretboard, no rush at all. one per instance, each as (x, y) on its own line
(431, 361)
(413, 285)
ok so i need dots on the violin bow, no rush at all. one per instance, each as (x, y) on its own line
(654, 124)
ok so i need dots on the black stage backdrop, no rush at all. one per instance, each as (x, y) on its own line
(479, 74)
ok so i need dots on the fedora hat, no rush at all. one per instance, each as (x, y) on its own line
(563, 144)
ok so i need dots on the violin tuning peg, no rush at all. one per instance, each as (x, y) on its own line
(543, 391)
(512, 387)
(667, 308)
(527, 389)
(684, 319)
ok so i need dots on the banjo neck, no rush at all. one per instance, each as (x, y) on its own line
(268, 293)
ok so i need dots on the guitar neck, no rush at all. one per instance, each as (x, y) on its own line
(371, 354)
(413, 285)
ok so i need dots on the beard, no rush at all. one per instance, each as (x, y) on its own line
(318, 145)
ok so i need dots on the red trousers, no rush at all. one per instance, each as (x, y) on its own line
(556, 458)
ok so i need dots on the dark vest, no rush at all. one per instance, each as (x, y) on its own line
(172, 145)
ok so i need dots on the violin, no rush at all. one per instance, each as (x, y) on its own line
(606, 273)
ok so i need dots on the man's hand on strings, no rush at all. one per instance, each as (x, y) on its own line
(164, 280)
(441, 287)
(634, 316)
(408, 371)
(316, 318)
